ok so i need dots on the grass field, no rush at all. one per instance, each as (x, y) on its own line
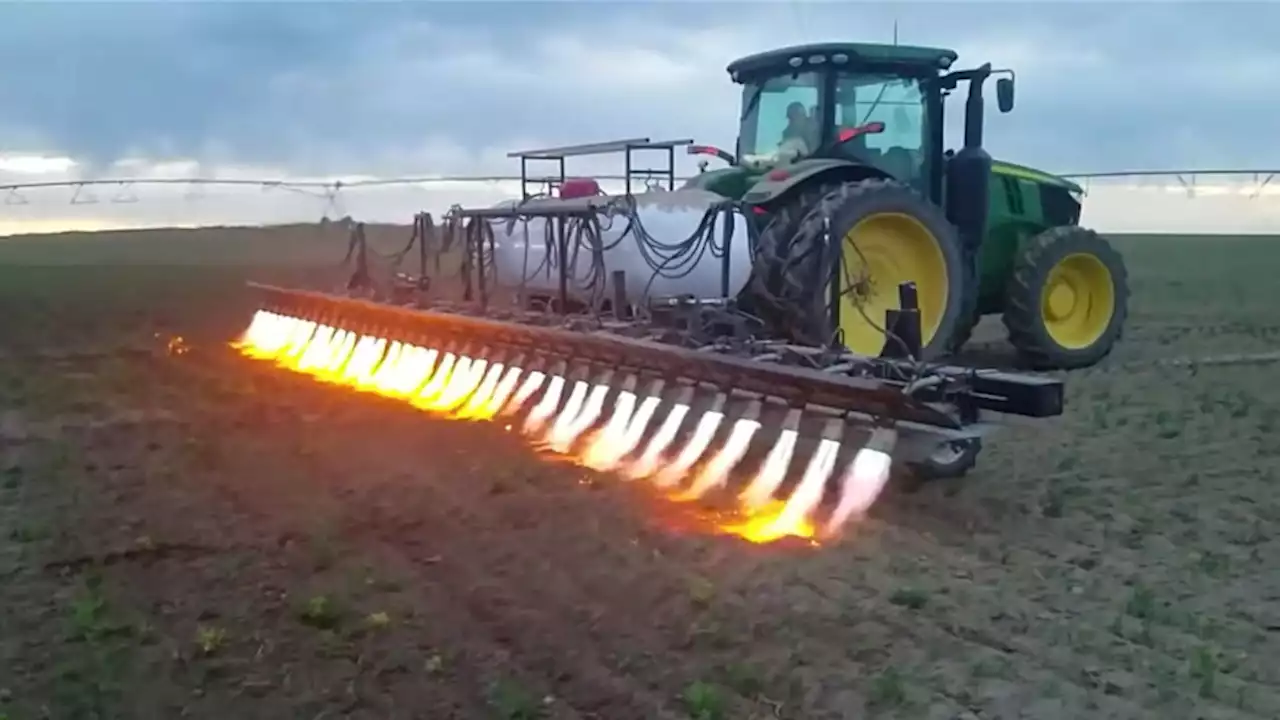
(186, 533)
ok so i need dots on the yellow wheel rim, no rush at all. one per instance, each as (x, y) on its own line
(1077, 301)
(882, 251)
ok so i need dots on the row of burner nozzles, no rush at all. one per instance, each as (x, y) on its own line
(684, 439)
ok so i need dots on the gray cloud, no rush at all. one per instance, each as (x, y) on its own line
(403, 87)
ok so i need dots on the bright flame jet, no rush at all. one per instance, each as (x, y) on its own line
(413, 372)
(360, 370)
(794, 517)
(542, 412)
(864, 479)
(568, 428)
(339, 342)
(717, 470)
(703, 433)
(436, 384)
(647, 464)
(482, 393)
(774, 470)
(317, 349)
(463, 388)
(570, 411)
(297, 340)
(601, 452)
(639, 423)
(386, 368)
(531, 384)
(497, 402)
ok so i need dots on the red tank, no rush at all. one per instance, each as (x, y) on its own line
(579, 187)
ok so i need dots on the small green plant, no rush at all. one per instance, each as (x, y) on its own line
(701, 591)
(911, 598)
(1204, 667)
(87, 616)
(1052, 503)
(888, 689)
(1269, 421)
(210, 639)
(703, 701)
(26, 533)
(513, 702)
(320, 612)
(991, 667)
(1141, 603)
(1213, 564)
(89, 685)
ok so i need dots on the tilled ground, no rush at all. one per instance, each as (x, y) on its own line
(186, 533)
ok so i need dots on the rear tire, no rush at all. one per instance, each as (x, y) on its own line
(894, 229)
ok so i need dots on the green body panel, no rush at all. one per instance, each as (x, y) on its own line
(753, 186)
(731, 182)
(803, 172)
(1039, 176)
(1016, 212)
(1013, 215)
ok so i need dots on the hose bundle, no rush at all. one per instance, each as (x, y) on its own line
(586, 234)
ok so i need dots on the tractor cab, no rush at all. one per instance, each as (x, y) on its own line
(836, 107)
(876, 106)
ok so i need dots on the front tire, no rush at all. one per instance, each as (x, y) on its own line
(1068, 299)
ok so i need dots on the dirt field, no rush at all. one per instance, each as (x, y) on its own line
(185, 533)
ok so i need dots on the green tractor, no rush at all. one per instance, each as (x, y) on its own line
(845, 141)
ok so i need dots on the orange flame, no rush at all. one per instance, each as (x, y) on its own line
(457, 385)
(767, 524)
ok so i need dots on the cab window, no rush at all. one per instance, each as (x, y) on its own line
(781, 113)
(896, 102)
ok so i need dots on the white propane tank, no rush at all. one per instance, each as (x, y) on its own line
(667, 216)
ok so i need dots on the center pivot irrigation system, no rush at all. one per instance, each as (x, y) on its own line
(801, 301)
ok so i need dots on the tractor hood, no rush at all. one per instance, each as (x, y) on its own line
(1037, 176)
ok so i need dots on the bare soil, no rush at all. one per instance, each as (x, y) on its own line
(186, 533)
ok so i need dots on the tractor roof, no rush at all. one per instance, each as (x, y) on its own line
(864, 52)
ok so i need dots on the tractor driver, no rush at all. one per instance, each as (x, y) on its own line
(797, 135)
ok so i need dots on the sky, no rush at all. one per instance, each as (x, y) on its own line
(378, 90)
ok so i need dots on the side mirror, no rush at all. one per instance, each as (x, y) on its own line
(1004, 94)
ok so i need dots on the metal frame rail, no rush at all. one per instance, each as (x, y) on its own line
(558, 155)
(1026, 395)
(550, 209)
